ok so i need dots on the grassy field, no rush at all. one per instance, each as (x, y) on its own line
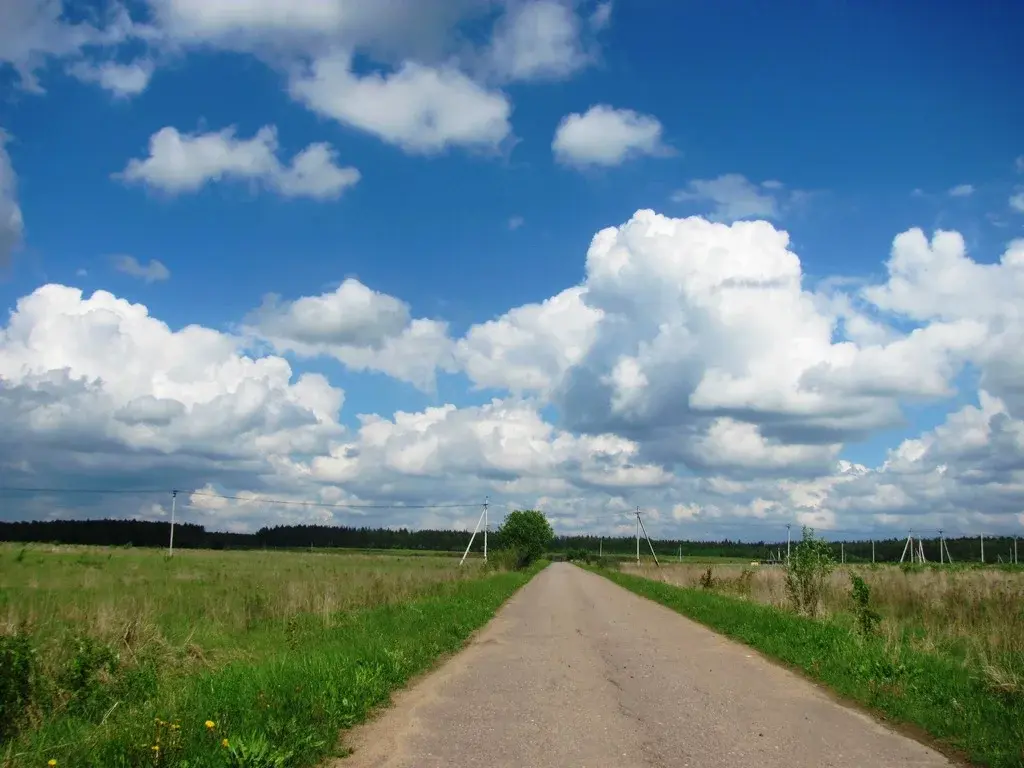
(122, 657)
(946, 655)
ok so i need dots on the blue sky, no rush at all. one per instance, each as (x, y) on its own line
(867, 115)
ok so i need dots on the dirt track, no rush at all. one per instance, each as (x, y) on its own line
(576, 671)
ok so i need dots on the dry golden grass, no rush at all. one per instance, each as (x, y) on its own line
(973, 611)
(198, 605)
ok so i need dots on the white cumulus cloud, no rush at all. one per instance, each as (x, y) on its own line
(605, 136)
(362, 328)
(538, 40)
(180, 163)
(418, 108)
(962, 190)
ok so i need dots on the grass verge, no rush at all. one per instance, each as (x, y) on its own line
(286, 709)
(952, 703)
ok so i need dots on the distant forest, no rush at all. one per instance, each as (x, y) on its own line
(190, 536)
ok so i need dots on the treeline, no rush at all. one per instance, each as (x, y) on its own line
(141, 533)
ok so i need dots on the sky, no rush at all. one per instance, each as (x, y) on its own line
(740, 266)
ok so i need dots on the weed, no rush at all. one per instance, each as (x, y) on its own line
(806, 572)
(707, 579)
(867, 618)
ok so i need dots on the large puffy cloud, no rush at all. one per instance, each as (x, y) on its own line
(605, 136)
(186, 162)
(11, 222)
(701, 321)
(362, 328)
(94, 387)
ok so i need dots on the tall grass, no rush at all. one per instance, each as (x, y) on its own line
(130, 650)
(974, 613)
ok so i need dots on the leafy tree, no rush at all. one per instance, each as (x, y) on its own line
(806, 572)
(528, 532)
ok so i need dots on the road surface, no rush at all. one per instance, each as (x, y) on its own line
(576, 671)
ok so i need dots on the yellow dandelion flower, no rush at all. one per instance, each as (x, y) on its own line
(210, 724)
(51, 762)
(223, 742)
(156, 747)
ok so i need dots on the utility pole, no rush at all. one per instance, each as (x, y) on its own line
(842, 552)
(638, 535)
(981, 536)
(480, 520)
(486, 526)
(787, 539)
(649, 544)
(1015, 561)
(872, 550)
(600, 547)
(174, 503)
(942, 555)
(681, 550)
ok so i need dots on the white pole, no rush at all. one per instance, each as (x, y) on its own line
(681, 550)
(479, 520)
(842, 552)
(600, 547)
(174, 503)
(1015, 561)
(485, 528)
(982, 537)
(906, 547)
(788, 538)
(649, 544)
(638, 535)
(872, 550)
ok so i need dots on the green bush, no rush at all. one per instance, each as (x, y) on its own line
(528, 533)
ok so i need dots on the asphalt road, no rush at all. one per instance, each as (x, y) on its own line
(576, 671)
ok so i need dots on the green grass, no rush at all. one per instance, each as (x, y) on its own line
(952, 701)
(279, 650)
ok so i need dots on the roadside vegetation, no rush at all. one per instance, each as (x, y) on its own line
(936, 647)
(118, 657)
